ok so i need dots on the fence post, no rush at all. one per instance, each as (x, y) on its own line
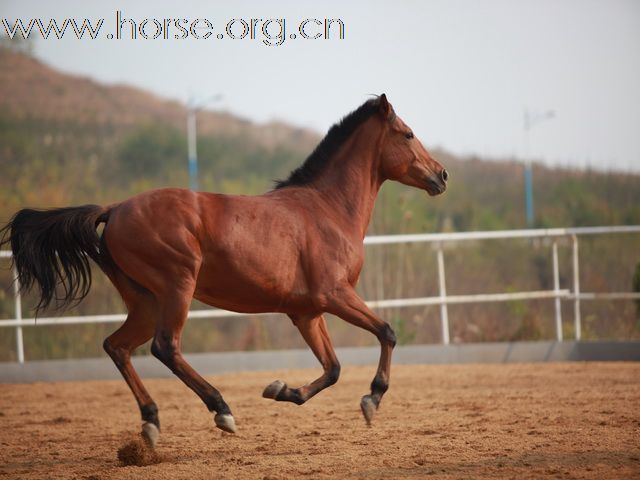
(556, 288)
(18, 313)
(444, 314)
(576, 288)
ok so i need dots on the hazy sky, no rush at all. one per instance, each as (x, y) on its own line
(459, 72)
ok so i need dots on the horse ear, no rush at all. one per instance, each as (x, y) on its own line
(385, 107)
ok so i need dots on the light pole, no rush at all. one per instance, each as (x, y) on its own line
(193, 107)
(530, 120)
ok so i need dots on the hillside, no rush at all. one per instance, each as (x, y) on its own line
(68, 140)
(30, 89)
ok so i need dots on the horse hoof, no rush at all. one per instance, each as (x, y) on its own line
(225, 422)
(150, 433)
(368, 407)
(274, 389)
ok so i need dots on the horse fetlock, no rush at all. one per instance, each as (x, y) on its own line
(292, 395)
(215, 403)
(150, 414)
(274, 389)
(379, 385)
(150, 434)
(225, 422)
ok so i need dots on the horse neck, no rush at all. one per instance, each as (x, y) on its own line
(351, 180)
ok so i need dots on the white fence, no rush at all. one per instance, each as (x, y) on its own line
(443, 300)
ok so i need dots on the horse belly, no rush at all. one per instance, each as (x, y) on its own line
(252, 281)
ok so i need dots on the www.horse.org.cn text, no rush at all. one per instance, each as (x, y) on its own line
(268, 31)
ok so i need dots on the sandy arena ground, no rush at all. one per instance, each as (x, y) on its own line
(568, 420)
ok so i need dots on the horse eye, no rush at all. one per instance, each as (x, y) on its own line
(408, 136)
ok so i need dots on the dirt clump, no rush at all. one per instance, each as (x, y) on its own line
(135, 451)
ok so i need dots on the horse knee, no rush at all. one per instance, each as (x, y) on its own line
(333, 374)
(387, 335)
(165, 350)
(118, 354)
(108, 347)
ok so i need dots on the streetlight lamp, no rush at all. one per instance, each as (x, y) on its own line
(530, 120)
(193, 106)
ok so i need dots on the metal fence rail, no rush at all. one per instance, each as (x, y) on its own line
(443, 300)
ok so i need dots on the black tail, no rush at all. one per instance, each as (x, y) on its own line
(51, 249)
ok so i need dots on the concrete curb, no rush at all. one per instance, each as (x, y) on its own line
(225, 362)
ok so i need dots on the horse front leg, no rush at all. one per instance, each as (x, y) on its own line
(346, 304)
(314, 331)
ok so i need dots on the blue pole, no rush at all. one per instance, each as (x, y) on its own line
(528, 192)
(192, 134)
(193, 174)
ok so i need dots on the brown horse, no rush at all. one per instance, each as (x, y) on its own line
(297, 250)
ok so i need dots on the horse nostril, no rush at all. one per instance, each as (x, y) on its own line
(444, 175)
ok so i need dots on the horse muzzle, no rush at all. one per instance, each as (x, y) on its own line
(436, 184)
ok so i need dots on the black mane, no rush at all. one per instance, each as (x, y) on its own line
(336, 135)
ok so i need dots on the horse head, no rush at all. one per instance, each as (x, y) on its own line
(403, 158)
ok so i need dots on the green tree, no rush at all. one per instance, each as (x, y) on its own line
(152, 151)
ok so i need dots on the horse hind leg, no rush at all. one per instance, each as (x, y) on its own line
(136, 330)
(166, 347)
(314, 331)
